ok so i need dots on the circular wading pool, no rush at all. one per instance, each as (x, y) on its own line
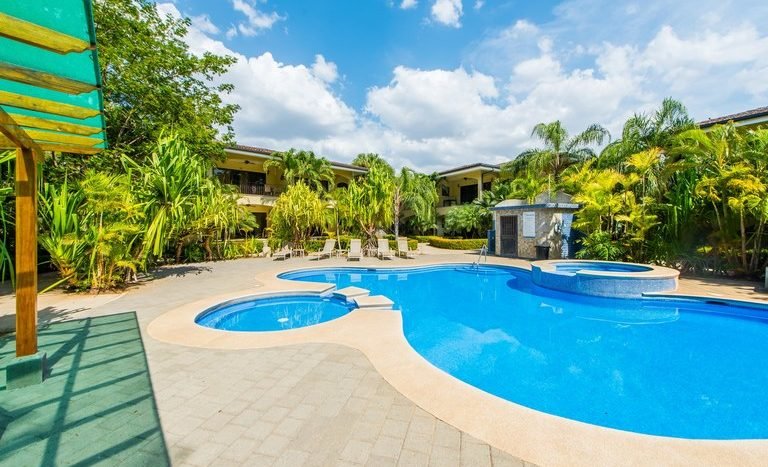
(603, 278)
(274, 313)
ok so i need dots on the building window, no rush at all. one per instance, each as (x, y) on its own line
(468, 194)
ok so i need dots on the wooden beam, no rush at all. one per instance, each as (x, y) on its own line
(6, 143)
(71, 148)
(18, 136)
(46, 105)
(55, 125)
(43, 80)
(26, 253)
(39, 36)
(41, 136)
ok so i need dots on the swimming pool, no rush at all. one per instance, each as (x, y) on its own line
(275, 313)
(680, 368)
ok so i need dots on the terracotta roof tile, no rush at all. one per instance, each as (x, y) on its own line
(737, 117)
(269, 152)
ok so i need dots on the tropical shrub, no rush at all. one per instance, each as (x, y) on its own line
(91, 234)
(239, 248)
(468, 220)
(6, 221)
(298, 212)
(62, 235)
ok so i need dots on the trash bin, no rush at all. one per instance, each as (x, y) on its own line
(542, 251)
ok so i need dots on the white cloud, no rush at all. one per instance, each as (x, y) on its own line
(436, 103)
(257, 20)
(324, 70)
(479, 4)
(406, 4)
(526, 73)
(204, 23)
(448, 12)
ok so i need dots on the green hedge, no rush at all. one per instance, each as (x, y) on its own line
(456, 243)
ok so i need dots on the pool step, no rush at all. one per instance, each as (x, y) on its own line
(378, 302)
(351, 293)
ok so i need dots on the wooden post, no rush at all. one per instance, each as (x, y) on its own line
(26, 253)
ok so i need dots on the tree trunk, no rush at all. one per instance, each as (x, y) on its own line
(743, 242)
(207, 248)
(179, 250)
(758, 247)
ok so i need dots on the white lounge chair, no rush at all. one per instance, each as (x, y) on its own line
(403, 250)
(383, 250)
(283, 253)
(355, 250)
(326, 252)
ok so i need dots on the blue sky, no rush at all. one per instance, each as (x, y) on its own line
(367, 39)
(436, 83)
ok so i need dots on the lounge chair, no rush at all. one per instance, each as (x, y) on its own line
(355, 250)
(283, 253)
(384, 251)
(326, 252)
(402, 249)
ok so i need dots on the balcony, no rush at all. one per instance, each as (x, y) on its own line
(261, 189)
(258, 194)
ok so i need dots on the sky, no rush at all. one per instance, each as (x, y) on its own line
(433, 84)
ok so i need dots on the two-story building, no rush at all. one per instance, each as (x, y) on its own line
(259, 188)
(464, 184)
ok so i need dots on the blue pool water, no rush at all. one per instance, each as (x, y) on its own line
(664, 367)
(273, 313)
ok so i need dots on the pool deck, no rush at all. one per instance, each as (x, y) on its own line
(329, 395)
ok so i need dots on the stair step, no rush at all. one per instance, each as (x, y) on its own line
(350, 293)
(379, 302)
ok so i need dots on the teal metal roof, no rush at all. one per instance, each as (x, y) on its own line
(48, 57)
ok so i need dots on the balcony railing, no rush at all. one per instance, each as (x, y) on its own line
(260, 189)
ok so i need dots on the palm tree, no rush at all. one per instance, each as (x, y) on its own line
(302, 166)
(371, 160)
(415, 192)
(643, 132)
(560, 150)
(368, 202)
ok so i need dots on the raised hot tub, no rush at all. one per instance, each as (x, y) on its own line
(603, 278)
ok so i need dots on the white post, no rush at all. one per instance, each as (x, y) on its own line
(480, 186)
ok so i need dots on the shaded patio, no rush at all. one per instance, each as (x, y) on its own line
(96, 403)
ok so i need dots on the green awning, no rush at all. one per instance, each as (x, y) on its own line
(50, 85)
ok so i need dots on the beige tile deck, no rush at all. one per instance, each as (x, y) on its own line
(306, 404)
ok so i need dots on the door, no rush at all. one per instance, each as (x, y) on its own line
(508, 235)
